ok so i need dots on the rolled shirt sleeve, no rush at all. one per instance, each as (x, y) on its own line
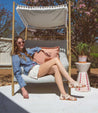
(17, 70)
(33, 50)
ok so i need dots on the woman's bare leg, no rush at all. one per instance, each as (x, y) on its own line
(45, 67)
(55, 71)
(58, 78)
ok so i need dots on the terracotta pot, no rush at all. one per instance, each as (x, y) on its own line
(82, 58)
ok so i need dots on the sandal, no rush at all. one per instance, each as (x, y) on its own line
(67, 97)
(76, 85)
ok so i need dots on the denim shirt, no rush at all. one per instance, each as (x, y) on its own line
(26, 64)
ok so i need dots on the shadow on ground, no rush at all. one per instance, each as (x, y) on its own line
(43, 88)
(8, 106)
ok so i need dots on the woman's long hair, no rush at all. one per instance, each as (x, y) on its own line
(17, 51)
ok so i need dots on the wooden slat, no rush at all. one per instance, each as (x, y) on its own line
(13, 23)
(69, 41)
(26, 33)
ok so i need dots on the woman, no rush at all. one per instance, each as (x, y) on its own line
(23, 57)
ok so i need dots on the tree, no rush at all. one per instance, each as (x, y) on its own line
(5, 22)
(84, 21)
(84, 27)
(43, 2)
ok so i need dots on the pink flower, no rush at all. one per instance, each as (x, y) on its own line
(88, 13)
(96, 0)
(81, 0)
(74, 7)
(95, 20)
(36, 1)
(91, 10)
(80, 11)
(82, 6)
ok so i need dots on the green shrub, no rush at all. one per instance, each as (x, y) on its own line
(94, 55)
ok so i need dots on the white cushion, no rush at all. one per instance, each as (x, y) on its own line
(64, 60)
(45, 79)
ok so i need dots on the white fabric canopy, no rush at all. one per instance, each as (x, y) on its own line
(50, 17)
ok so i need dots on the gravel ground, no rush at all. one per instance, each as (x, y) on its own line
(5, 76)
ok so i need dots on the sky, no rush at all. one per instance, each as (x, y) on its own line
(8, 4)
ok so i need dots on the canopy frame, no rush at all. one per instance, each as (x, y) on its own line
(68, 35)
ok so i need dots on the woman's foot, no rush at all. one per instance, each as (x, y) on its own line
(76, 85)
(67, 97)
(24, 93)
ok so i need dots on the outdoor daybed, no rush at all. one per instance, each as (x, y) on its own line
(51, 17)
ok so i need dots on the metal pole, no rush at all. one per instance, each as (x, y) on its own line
(13, 23)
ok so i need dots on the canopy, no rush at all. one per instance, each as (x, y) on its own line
(43, 17)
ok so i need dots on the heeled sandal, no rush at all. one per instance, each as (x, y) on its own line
(67, 97)
(76, 85)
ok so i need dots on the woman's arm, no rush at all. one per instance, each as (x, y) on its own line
(17, 70)
(33, 50)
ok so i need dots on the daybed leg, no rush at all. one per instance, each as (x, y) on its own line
(12, 82)
(13, 88)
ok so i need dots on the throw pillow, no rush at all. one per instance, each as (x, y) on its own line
(46, 54)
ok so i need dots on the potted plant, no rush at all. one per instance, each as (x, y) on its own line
(82, 50)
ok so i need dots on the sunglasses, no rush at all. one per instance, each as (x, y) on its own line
(22, 42)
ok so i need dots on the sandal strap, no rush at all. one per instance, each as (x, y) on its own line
(67, 97)
(76, 84)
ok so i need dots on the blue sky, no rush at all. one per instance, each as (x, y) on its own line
(8, 4)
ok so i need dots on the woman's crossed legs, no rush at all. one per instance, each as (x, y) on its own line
(55, 67)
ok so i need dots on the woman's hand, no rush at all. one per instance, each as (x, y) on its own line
(45, 52)
(24, 93)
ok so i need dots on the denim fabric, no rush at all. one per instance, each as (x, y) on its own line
(26, 64)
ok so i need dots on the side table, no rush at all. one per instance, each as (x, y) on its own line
(83, 76)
